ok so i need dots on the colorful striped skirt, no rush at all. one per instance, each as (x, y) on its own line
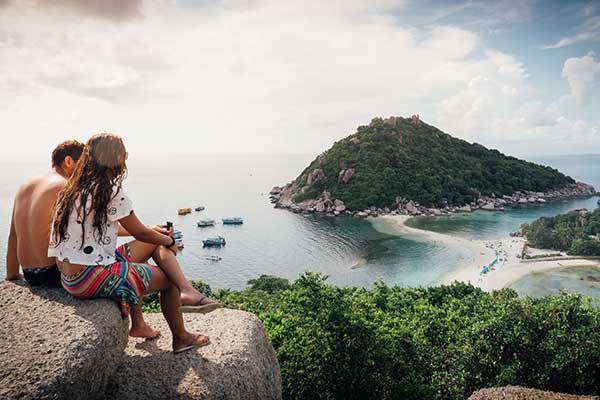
(123, 281)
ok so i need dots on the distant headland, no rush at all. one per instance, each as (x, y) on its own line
(404, 166)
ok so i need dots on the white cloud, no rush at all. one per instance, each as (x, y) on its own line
(580, 73)
(254, 76)
(115, 10)
(589, 31)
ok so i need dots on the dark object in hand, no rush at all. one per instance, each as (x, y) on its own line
(168, 225)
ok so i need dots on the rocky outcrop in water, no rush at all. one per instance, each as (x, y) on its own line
(424, 169)
(282, 198)
(53, 346)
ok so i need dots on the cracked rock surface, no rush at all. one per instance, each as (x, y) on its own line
(54, 346)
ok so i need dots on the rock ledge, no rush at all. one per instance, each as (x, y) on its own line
(55, 346)
(239, 363)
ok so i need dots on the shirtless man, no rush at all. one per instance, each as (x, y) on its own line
(30, 232)
(30, 224)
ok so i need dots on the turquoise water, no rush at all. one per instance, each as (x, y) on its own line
(492, 225)
(573, 279)
(270, 241)
(278, 242)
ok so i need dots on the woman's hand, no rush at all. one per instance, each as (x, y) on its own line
(163, 230)
(174, 249)
(145, 234)
(168, 232)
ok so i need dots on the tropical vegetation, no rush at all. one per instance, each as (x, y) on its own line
(575, 232)
(419, 343)
(398, 157)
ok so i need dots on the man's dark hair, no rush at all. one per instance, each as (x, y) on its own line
(71, 148)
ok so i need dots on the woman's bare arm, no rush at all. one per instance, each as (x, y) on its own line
(141, 232)
(123, 231)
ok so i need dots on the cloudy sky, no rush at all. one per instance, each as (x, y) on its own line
(283, 76)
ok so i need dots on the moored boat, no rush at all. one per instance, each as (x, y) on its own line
(177, 235)
(200, 208)
(203, 223)
(184, 211)
(214, 241)
(233, 221)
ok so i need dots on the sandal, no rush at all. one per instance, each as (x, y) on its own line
(199, 341)
(204, 306)
(205, 309)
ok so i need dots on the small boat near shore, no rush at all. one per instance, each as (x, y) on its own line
(184, 211)
(213, 258)
(233, 221)
(203, 223)
(200, 208)
(217, 241)
(177, 235)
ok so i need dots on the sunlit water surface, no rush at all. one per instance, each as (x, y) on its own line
(281, 243)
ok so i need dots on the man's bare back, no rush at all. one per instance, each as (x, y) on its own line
(32, 217)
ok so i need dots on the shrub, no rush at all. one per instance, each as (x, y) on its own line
(423, 343)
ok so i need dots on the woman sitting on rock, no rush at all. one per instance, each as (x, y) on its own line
(90, 212)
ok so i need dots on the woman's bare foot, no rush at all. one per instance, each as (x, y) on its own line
(144, 331)
(189, 342)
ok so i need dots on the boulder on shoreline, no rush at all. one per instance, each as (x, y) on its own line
(239, 363)
(283, 198)
(53, 345)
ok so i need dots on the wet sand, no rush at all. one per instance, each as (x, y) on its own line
(508, 269)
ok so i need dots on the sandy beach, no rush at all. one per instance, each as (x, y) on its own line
(508, 268)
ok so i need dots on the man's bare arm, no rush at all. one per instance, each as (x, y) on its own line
(12, 258)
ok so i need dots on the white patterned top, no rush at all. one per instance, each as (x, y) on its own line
(94, 251)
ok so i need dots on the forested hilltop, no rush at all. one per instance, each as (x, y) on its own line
(576, 232)
(405, 158)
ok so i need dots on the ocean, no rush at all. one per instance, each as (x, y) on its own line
(350, 251)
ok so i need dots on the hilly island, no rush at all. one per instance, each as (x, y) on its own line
(403, 165)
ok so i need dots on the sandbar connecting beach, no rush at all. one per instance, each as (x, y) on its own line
(507, 270)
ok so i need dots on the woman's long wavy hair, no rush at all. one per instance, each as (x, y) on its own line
(101, 168)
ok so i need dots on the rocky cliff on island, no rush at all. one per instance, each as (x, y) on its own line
(405, 166)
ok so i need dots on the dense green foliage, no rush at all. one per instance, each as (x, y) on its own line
(572, 232)
(435, 343)
(421, 163)
(269, 283)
